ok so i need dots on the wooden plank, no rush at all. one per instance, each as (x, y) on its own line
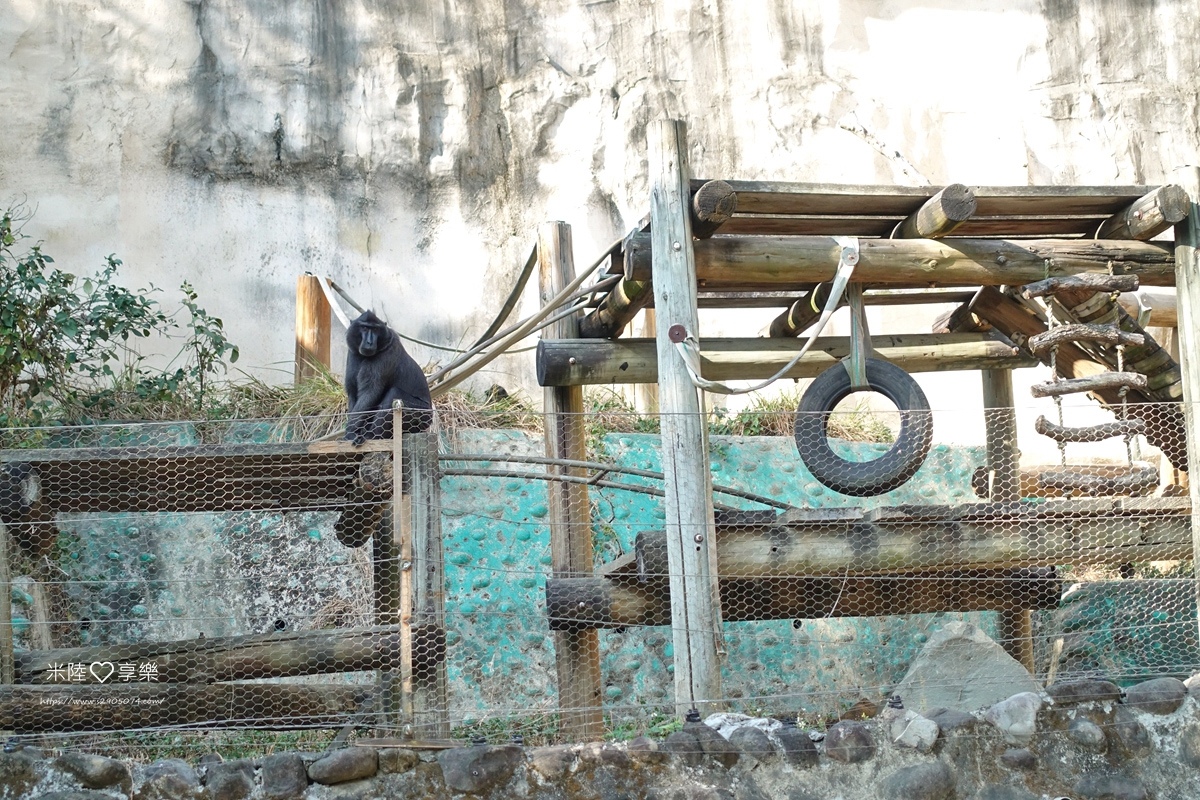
(695, 603)
(431, 699)
(600, 361)
(7, 669)
(385, 564)
(400, 607)
(576, 653)
(115, 707)
(751, 263)
(1187, 288)
(314, 324)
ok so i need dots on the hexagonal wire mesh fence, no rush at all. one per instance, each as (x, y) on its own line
(172, 579)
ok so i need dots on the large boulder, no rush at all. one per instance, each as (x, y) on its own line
(963, 669)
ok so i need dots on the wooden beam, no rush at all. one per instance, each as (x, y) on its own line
(576, 653)
(1187, 287)
(616, 310)
(273, 655)
(615, 602)
(115, 707)
(751, 263)
(598, 361)
(431, 699)
(314, 323)
(1148, 216)
(1160, 301)
(939, 215)
(695, 603)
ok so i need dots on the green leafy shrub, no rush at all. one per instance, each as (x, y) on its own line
(68, 345)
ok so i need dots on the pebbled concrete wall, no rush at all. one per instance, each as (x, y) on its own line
(409, 150)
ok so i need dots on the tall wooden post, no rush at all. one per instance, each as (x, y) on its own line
(1003, 457)
(387, 559)
(576, 653)
(314, 321)
(431, 700)
(691, 551)
(1187, 292)
(7, 662)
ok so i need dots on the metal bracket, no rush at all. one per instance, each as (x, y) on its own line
(1144, 309)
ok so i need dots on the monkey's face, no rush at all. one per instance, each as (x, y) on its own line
(368, 345)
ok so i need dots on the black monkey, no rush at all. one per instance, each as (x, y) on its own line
(379, 371)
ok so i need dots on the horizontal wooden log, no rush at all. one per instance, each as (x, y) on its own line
(1089, 282)
(574, 603)
(116, 707)
(1031, 226)
(792, 262)
(1078, 332)
(1133, 482)
(777, 197)
(939, 215)
(712, 205)
(1160, 301)
(1103, 380)
(849, 541)
(574, 362)
(616, 310)
(1149, 215)
(272, 655)
(1091, 433)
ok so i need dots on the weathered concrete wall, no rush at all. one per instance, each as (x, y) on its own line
(409, 149)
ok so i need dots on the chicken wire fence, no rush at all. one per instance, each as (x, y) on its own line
(172, 579)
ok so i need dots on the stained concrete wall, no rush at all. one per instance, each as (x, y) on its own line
(409, 150)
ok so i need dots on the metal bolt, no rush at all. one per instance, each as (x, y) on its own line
(571, 360)
(407, 565)
(676, 246)
(1002, 260)
(699, 537)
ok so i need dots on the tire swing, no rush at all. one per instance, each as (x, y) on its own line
(861, 372)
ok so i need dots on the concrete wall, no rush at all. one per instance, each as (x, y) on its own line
(409, 150)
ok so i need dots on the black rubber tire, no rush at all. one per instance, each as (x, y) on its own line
(864, 478)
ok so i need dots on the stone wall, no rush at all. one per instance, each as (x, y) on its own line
(1084, 739)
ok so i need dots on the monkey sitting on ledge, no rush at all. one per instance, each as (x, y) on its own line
(379, 371)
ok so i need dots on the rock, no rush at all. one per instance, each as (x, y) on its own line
(594, 753)
(798, 748)
(1158, 696)
(849, 742)
(211, 758)
(348, 764)
(949, 720)
(1110, 787)
(713, 744)
(96, 772)
(169, 779)
(753, 742)
(1087, 734)
(283, 777)
(1129, 733)
(1015, 717)
(726, 723)
(552, 762)
(645, 750)
(75, 794)
(1018, 758)
(1193, 685)
(1189, 746)
(1005, 793)
(685, 746)
(230, 781)
(922, 782)
(19, 770)
(1089, 690)
(478, 769)
(914, 732)
(961, 668)
(397, 760)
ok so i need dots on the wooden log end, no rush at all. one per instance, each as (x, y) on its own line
(715, 201)
(1174, 202)
(958, 202)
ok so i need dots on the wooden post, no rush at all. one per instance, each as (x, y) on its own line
(431, 702)
(692, 555)
(939, 215)
(386, 559)
(646, 393)
(1003, 457)
(314, 321)
(1187, 291)
(576, 653)
(7, 665)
